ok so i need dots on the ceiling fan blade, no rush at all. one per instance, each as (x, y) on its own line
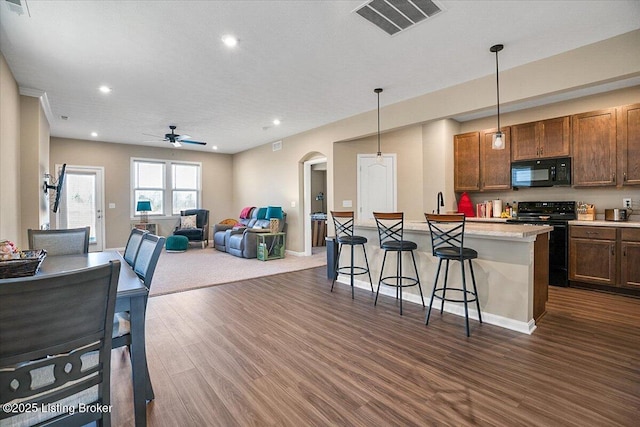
(181, 137)
(186, 141)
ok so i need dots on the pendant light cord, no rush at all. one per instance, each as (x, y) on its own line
(378, 92)
(498, 90)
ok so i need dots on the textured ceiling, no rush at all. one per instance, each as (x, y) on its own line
(307, 63)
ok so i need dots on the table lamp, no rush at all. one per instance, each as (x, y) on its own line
(274, 215)
(144, 206)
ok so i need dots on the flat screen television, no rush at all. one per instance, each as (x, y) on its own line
(58, 187)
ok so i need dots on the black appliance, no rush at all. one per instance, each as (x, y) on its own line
(557, 215)
(541, 173)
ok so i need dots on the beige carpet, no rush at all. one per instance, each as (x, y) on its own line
(199, 268)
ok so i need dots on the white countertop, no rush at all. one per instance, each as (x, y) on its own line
(493, 229)
(602, 223)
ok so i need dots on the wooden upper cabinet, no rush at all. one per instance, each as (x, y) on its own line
(495, 165)
(629, 144)
(466, 166)
(594, 148)
(542, 139)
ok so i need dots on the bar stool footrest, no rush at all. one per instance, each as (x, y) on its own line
(449, 299)
(412, 281)
(356, 270)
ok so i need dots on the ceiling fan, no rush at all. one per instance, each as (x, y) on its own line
(177, 140)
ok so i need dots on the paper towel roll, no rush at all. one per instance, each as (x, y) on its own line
(497, 208)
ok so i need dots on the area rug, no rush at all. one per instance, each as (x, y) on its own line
(199, 268)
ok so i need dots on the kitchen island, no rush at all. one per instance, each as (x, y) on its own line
(511, 270)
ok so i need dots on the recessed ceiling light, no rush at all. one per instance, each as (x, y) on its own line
(276, 122)
(94, 134)
(215, 147)
(230, 40)
(105, 89)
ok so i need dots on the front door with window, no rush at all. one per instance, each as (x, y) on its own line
(81, 203)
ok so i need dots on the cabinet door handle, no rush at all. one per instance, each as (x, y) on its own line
(613, 177)
(613, 250)
(624, 177)
(541, 151)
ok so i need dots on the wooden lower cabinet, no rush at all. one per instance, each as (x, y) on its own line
(608, 256)
(630, 258)
(592, 255)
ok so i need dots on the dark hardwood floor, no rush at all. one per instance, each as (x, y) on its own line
(284, 351)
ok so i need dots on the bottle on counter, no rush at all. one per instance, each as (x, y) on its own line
(507, 210)
(514, 210)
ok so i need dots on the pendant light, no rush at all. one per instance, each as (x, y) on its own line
(498, 138)
(379, 158)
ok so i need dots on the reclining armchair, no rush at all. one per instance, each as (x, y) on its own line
(221, 232)
(198, 232)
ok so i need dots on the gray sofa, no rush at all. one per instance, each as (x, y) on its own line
(242, 240)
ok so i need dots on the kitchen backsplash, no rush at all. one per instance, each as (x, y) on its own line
(602, 198)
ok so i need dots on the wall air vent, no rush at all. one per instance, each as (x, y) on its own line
(394, 16)
(276, 146)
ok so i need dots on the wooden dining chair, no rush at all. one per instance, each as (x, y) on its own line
(145, 266)
(55, 354)
(64, 241)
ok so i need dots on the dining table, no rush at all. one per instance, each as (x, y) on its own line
(132, 297)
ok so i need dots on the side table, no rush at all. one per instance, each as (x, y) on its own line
(271, 246)
(151, 227)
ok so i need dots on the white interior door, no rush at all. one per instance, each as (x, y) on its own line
(377, 190)
(81, 203)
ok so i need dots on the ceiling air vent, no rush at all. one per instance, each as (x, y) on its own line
(16, 6)
(393, 16)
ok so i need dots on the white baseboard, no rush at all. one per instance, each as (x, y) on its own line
(457, 309)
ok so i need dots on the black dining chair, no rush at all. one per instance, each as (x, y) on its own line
(133, 244)
(343, 223)
(145, 266)
(55, 354)
(391, 234)
(64, 241)
(447, 243)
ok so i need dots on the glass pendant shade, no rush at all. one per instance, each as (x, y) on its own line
(498, 141)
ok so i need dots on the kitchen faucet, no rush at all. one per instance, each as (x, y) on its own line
(439, 202)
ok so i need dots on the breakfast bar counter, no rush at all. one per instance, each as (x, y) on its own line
(511, 269)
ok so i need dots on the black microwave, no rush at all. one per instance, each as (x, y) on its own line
(541, 173)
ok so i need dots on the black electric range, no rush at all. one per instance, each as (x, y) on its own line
(556, 214)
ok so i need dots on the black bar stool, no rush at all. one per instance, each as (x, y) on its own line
(343, 223)
(390, 231)
(447, 241)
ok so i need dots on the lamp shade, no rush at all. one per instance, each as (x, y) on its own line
(274, 212)
(143, 206)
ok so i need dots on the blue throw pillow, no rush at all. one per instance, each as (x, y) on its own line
(262, 213)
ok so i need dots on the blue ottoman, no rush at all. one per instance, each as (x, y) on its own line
(176, 243)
